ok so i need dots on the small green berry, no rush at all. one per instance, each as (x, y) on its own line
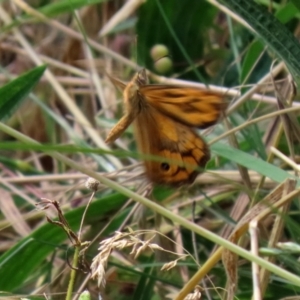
(158, 51)
(163, 65)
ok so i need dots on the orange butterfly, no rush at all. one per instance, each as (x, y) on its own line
(163, 118)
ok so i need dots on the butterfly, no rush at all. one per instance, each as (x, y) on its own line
(164, 118)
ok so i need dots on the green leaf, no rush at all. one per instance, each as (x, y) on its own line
(250, 59)
(252, 163)
(286, 13)
(268, 27)
(52, 10)
(18, 165)
(14, 92)
(296, 3)
(66, 6)
(144, 288)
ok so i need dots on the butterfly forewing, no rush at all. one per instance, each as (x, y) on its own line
(190, 106)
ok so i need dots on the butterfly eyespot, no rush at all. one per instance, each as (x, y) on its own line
(165, 166)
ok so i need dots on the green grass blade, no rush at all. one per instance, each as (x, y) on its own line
(252, 162)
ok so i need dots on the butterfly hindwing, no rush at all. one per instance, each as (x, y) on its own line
(180, 153)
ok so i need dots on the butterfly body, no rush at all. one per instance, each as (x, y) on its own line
(164, 118)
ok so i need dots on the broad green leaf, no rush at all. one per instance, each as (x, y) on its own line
(296, 3)
(12, 94)
(274, 34)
